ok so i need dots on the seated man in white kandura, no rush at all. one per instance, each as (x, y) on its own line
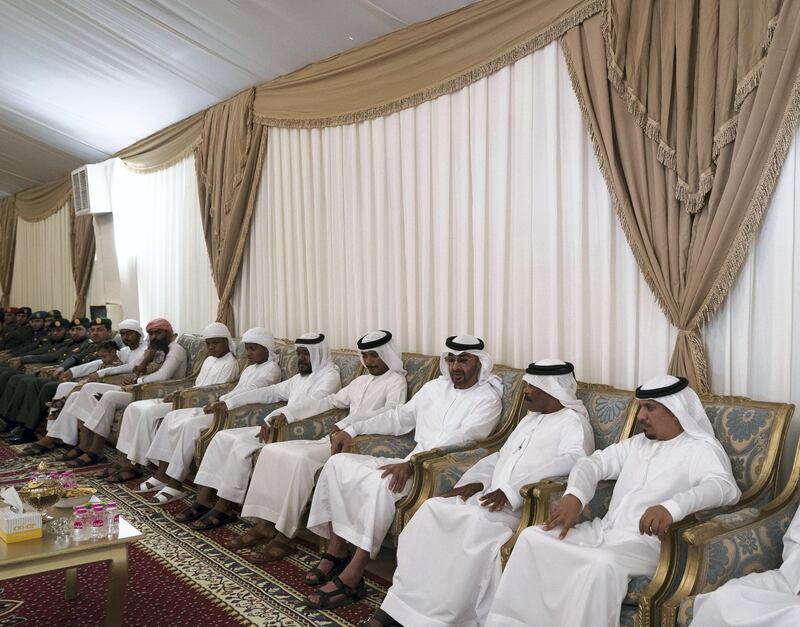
(227, 463)
(283, 479)
(97, 403)
(142, 418)
(356, 494)
(174, 443)
(448, 556)
(767, 599)
(580, 577)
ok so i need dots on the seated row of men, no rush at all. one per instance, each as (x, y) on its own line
(448, 558)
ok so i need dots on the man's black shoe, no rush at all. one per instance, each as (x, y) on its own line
(27, 435)
(13, 432)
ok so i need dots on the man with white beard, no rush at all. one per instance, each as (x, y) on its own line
(448, 557)
(558, 575)
(224, 473)
(356, 494)
(283, 479)
(768, 599)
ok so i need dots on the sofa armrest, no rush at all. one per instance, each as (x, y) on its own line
(250, 415)
(202, 396)
(160, 389)
(312, 428)
(727, 547)
(435, 472)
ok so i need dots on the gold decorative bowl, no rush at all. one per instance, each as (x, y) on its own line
(41, 493)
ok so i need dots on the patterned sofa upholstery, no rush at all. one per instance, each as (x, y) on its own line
(752, 432)
(731, 546)
(195, 347)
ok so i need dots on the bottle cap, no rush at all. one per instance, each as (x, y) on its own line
(81, 510)
(111, 504)
(97, 507)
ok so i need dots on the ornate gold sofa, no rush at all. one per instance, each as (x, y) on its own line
(731, 546)
(752, 433)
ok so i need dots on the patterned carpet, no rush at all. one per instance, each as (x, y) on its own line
(177, 576)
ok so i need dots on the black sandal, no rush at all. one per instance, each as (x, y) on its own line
(193, 512)
(213, 519)
(71, 454)
(123, 475)
(36, 449)
(339, 564)
(94, 459)
(347, 595)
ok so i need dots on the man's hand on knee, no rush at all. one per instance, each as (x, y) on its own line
(495, 500)
(340, 442)
(464, 491)
(400, 474)
(655, 521)
(564, 514)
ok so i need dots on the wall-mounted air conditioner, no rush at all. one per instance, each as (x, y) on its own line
(90, 190)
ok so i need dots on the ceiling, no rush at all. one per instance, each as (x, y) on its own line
(81, 79)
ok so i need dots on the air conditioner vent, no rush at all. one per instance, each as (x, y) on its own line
(90, 190)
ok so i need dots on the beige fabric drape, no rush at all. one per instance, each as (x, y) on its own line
(164, 148)
(684, 69)
(415, 64)
(228, 162)
(82, 249)
(42, 201)
(690, 260)
(8, 240)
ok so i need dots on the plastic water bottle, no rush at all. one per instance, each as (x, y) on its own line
(68, 479)
(98, 521)
(112, 519)
(80, 521)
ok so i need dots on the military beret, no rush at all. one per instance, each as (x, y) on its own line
(25, 310)
(79, 322)
(54, 313)
(39, 315)
(104, 321)
(60, 322)
(10, 310)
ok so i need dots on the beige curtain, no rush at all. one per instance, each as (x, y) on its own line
(683, 70)
(690, 260)
(228, 162)
(164, 148)
(418, 63)
(8, 240)
(42, 201)
(82, 249)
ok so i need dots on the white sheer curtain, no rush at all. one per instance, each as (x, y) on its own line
(161, 253)
(480, 212)
(754, 341)
(43, 264)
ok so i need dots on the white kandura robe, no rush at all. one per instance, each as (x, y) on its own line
(141, 418)
(101, 418)
(227, 462)
(176, 437)
(448, 557)
(81, 404)
(768, 599)
(582, 579)
(352, 496)
(283, 478)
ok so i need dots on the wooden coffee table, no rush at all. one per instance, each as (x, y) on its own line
(47, 553)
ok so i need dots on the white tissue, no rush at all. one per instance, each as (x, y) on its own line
(10, 496)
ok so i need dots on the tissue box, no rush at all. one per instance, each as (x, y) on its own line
(19, 527)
